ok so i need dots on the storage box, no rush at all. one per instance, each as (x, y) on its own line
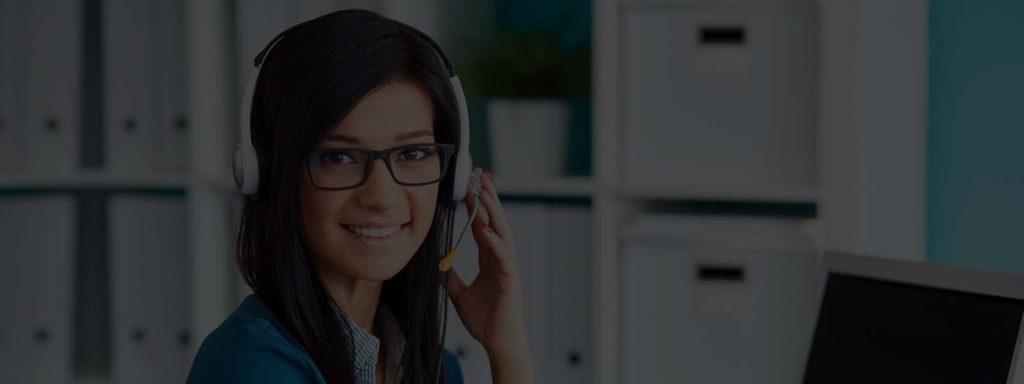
(702, 296)
(720, 95)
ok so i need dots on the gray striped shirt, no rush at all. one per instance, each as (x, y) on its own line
(367, 347)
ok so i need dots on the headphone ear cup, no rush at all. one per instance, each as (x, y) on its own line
(246, 169)
(246, 166)
(238, 167)
(464, 164)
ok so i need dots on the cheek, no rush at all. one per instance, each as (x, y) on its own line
(317, 219)
(424, 204)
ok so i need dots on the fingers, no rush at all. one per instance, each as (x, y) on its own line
(487, 179)
(482, 218)
(496, 214)
(490, 227)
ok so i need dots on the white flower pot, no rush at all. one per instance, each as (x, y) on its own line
(528, 137)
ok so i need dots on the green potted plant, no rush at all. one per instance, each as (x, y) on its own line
(528, 79)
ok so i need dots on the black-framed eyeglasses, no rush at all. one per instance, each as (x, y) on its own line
(412, 164)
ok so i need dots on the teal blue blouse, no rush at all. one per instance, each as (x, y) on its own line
(252, 347)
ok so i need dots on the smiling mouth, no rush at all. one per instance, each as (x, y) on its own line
(374, 232)
(375, 236)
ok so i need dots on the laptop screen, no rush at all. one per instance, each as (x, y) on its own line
(874, 331)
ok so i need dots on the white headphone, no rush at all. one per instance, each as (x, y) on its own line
(246, 165)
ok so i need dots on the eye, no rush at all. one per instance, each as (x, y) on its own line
(337, 158)
(416, 153)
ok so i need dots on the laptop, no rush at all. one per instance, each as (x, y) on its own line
(892, 321)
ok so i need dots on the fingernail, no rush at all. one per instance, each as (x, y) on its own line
(488, 228)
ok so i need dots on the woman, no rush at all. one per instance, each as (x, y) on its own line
(342, 257)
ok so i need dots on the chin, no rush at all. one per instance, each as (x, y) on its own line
(380, 273)
(372, 267)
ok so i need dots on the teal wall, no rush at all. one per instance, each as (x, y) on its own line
(976, 134)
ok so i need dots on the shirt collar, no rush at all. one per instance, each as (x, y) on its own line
(367, 346)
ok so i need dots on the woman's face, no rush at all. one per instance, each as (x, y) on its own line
(397, 113)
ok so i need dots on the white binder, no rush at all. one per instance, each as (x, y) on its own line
(8, 266)
(146, 71)
(148, 291)
(38, 248)
(12, 272)
(571, 317)
(9, 87)
(130, 56)
(52, 53)
(171, 125)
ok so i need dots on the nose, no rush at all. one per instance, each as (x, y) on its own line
(380, 189)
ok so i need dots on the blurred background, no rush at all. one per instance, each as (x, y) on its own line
(673, 170)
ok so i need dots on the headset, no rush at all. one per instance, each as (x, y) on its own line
(247, 174)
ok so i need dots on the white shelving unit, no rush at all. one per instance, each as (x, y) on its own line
(869, 146)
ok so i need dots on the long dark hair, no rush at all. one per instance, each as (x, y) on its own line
(314, 75)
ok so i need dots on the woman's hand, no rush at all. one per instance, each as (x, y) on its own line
(491, 306)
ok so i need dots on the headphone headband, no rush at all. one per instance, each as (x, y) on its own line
(246, 164)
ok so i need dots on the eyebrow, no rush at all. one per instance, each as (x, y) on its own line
(401, 137)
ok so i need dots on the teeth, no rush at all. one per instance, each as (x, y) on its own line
(374, 232)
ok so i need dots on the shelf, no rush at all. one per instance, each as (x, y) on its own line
(743, 193)
(585, 187)
(560, 187)
(78, 179)
(705, 2)
(91, 179)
